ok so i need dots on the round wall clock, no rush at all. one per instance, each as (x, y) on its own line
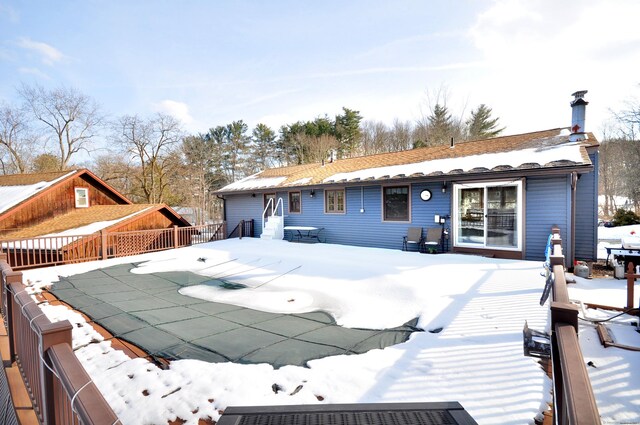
(425, 195)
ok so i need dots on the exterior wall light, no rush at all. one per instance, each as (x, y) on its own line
(444, 187)
(312, 193)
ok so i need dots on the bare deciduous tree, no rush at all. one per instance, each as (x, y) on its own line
(400, 137)
(151, 145)
(114, 169)
(16, 140)
(72, 116)
(375, 138)
(611, 173)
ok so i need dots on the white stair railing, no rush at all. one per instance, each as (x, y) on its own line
(274, 210)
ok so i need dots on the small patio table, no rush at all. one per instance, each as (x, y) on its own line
(305, 233)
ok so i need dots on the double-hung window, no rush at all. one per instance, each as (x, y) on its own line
(82, 197)
(294, 202)
(334, 202)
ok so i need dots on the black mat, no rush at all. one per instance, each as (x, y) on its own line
(148, 311)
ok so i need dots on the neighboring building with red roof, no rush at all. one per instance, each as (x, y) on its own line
(49, 203)
(497, 196)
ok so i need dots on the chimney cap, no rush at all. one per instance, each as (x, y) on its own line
(579, 98)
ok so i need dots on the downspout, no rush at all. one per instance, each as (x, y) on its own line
(224, 214)
(572, 241)
(224, 207)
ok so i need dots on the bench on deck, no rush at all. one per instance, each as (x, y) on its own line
(304, 233)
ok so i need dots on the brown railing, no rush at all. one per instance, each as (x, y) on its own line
(48, 251)
(60, 389)
(573, 399)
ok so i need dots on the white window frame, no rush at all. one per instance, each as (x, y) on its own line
(485, 185)
(408, 220)
(344, 197)
(81, 194)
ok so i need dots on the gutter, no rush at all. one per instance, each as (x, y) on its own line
(484, 176)
(224, 206)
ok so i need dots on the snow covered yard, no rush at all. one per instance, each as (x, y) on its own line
(474, 307)
(612, 236)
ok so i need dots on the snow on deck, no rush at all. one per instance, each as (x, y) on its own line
(474, 307)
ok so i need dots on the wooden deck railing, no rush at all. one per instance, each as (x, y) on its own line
(60, 389)
(49, 251)
(573, 399)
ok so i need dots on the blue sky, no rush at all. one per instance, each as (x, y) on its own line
(209, 63)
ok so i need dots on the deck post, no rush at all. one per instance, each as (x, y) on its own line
(103, 238)
(9, 278)
(176, 244)
(240, 229)
(631, 277)
(51, 334)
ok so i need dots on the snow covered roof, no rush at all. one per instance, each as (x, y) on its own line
(543, 149)
(82, 221)
(16, 188)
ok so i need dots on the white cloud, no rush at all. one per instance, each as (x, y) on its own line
(538, 53)
(178, 110)
(10, 13)
(48, 53)
(34, 71)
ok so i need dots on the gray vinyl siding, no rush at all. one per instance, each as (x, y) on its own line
(587, 214)
(548, 201)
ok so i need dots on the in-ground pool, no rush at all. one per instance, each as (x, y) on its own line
(148, 311)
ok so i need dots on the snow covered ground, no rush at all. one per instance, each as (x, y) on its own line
(612, 236)
(477, 358)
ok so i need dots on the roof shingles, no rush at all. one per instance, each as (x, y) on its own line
(551, 146)
(29, 179)
(79, 218)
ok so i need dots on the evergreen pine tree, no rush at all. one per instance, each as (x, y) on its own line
(263, 146)
(441, 126)
(481, 125)
(348, 132)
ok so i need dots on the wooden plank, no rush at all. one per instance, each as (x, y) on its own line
(27, 417)
(19, 392)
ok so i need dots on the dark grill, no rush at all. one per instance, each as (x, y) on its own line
(450, 413)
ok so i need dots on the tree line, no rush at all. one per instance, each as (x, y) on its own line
(151, 159)
(619, 167)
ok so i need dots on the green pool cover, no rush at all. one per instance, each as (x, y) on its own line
(148, 311)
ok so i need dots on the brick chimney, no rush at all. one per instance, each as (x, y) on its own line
(578, 112)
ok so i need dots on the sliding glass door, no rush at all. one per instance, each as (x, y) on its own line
(470, 220)
(488, 215)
